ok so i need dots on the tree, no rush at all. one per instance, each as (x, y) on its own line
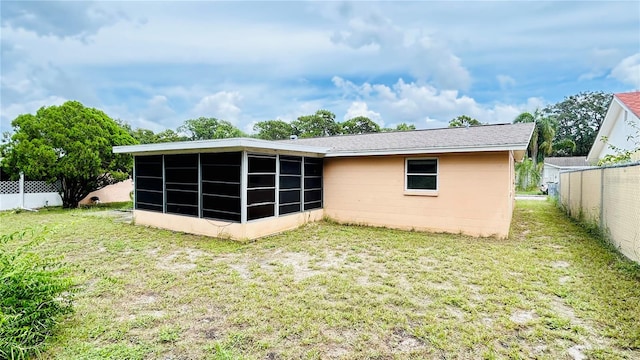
(322, 123)
(274, 130)
(360, 125)
(400, 127)
(541, 143)
(168, 135)
(463, 121)
(71, 144)
(204, 128)
(578, 119)
(143, 136)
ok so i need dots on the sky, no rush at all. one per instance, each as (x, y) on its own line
(155, 64)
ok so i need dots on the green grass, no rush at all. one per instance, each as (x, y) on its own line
(333, 291)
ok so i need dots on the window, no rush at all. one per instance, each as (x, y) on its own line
(148, 183)
(290, 193)
(261, 186)
(220, 175)
(312, 183)
(181, 184)
(421, 174)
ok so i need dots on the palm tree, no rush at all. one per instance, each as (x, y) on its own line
(541, 143)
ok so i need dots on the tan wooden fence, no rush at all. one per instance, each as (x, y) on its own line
(608, 197)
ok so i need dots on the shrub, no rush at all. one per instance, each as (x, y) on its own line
(34, 292)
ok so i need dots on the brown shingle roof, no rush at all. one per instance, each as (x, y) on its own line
(567, 161)
(631, 100)
(475, 138)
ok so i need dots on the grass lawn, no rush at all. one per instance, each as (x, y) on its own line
(325, 291)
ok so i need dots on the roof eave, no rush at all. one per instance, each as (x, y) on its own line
(222, 144)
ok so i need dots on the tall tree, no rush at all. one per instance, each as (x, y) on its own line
(71, 144)
(274, 130)
(578, 119)
(360, 125)
(168, 135)
(322, 123)
(143, 136)
(204, 128)
(541, 143)
(464, 120)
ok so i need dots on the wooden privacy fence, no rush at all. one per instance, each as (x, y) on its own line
(608, 197)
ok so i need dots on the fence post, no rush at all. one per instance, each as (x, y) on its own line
(602, 200)
(21, 190)
(581, 211)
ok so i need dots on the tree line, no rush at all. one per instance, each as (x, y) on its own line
(72, 144)
(321, 123)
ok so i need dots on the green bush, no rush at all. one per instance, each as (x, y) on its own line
(34, 292)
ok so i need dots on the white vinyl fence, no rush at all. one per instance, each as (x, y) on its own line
(22, 194)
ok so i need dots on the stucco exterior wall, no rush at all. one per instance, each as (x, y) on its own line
(118, 192)
(475, 194)
(215, 228)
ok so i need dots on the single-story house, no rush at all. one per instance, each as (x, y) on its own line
(554, 165)
(621, 121)
(457, 180)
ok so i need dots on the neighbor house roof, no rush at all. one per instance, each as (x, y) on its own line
(567, 162)
(504, 137)
(631, 100)
(461, 139)
(621, 102)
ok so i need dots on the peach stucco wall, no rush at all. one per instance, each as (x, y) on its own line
(475, 194)
(112, 193)
(215, 228)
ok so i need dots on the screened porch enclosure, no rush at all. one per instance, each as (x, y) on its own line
(235, 186)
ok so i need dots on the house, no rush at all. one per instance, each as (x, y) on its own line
(621, 121)
(554, 165)
(118, 192)
(457, 180)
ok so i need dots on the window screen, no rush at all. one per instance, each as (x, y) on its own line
(290, 182)
(148, 183)
(181, 184)
(312, 183)
(261, 186)
(221, 185)
(422, 174)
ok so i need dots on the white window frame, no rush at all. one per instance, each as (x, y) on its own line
(432, 192)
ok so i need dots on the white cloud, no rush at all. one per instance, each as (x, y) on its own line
(360, 108)
(628, 71)
(222, 105)
(12, 111)
(425, 105)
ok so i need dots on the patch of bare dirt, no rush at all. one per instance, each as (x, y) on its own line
(560, 264)
(180, 260)
(523, 317)
(403, 341)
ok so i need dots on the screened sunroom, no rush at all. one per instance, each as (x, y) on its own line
(237, 188)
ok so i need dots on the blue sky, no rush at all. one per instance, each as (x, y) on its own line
(155, 64)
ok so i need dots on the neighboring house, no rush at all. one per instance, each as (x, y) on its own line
(457, 180)
(621, 121)
(554, 165)
(118, 192)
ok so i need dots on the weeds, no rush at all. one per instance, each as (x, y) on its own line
(34, 292)
(332, 291)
